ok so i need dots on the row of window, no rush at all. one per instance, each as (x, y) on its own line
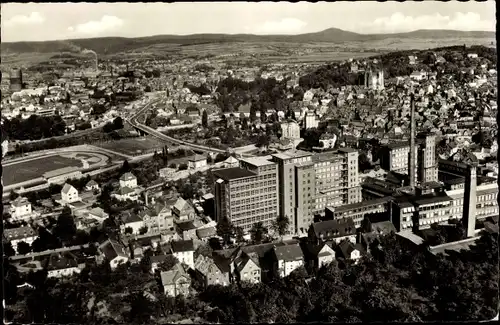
(248, 194)
(253, 185)
(255, 199)
(264, 207)
(253, 179)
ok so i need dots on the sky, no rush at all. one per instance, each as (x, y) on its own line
(57, 21)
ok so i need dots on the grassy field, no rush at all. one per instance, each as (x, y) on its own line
(134, 146)
(24, 171)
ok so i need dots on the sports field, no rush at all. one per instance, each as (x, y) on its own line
(24, 171)
(134, 146)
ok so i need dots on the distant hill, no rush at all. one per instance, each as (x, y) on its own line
(111, 45)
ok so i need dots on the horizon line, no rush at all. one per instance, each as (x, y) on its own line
(250, 34)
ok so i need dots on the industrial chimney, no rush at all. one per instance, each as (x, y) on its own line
(470, 198)
(412, 162)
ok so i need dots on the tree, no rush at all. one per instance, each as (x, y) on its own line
(169, 262)
(118, 123)
(258, 232)
(225, 230)
(65, 227)
(366, 225)
(8, 250)
(239, 234)
(281, 225)
(143, 230)
(204, 119)
(129, 230)
(125, 167)
(23, 248)
(13, 195)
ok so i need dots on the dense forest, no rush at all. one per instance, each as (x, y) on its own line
(393, 283)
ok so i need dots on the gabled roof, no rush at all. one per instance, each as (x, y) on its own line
(183, 246)
(125, 190)
(112, 249)
(197, 158)
(20, 201)
(346, 248)
(171, 277)
(61, 261)
(66, 188)
(206, 232)
(91, 183)
(127, 177)
(98, 212)
(18, 233)
(288, 252)
(180, 204)
(334, 228)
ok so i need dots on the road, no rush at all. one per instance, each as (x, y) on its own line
(132, 120)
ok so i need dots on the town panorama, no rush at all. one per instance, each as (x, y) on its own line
(251, 163)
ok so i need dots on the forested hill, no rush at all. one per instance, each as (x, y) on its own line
(112, 45)
(397, 64)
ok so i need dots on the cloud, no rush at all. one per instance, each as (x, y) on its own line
(398, 22)
(105, 24)
(284, 26)
(33, 19)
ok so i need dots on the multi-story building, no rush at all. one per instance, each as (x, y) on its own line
(394, 157)
(296, 179)
(311, 120)
(247, 194)
(357, 211)
(337, 179)
(20, 209)
(290, 129)
(427, 168)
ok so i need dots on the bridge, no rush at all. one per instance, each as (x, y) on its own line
(146, 130)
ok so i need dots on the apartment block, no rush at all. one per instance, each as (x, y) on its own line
(296, 175)
(247, 194)
(337, 179)
(426, 159)
(395, 157)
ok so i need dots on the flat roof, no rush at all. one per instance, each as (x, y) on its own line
(432, 199)
(454, 246)
(289, 154)
(258, 161)
(228, 174)
(361, 204)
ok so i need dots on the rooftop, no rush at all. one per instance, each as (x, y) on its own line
(258, 161)
(61, 171)
(431, 199)
(361, 204)
(228, 174)
(182, 246)
(289, 154)
(453, 246)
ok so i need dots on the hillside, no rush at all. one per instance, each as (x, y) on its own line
(112, 45)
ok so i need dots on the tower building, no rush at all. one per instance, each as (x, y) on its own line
(412, 161)
(427, 163)
(16, 80)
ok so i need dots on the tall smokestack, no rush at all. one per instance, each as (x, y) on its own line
(412, 162)
(470, 198)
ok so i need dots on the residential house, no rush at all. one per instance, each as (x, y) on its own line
(187, 230)
(62, 264)
(158, 217)
(133, 221)
(197, 161)
(92, 186)
(308, 96)
(412, 60)
(290, 129)
(246, 268)
(20, 209)
(128, 180)
(21, 234)
(349, 251)
(213, 270)
(287, 258)
(126, 193)
(183, 210)
(98, 214)
(69, 194)
(183, 250)
(206, 233)
(333, 230)
(318, 255)
(167, 172)
(176, 281)
(114, 252)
